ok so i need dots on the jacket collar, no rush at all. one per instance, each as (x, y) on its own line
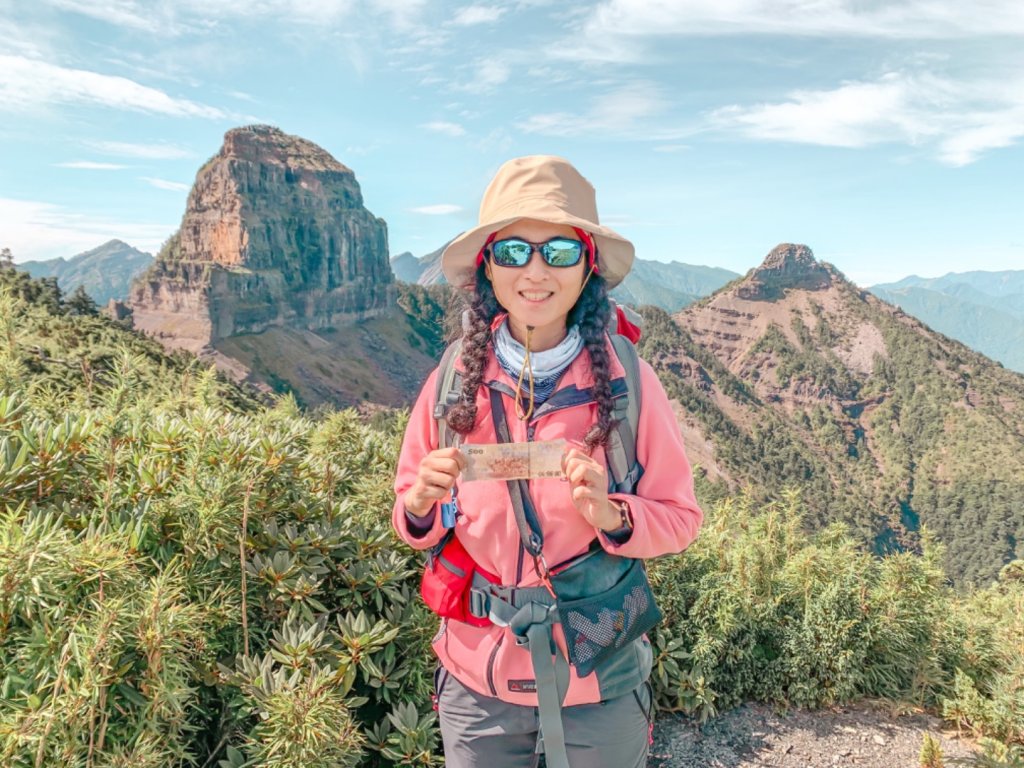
(578, 373)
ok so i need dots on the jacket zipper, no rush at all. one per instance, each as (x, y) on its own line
(490, 665)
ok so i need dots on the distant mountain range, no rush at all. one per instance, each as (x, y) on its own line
(984, 310)
(670, 286)
(105, 272)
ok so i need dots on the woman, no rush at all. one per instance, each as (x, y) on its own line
(537, 269)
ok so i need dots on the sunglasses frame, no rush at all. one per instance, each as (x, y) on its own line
(536, 248)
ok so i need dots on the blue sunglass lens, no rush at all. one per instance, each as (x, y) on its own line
(562, 252)
(512, 253)
(558, 252)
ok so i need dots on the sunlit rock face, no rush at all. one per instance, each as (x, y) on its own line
(274, 234)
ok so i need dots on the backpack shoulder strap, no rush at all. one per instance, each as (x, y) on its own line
(447, 391)
(621, 451)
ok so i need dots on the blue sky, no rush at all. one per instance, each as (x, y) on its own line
(888, 136)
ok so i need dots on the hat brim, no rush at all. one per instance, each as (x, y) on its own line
(615, 253)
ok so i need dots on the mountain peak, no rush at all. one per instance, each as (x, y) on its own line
(268, 144)
(788, 265)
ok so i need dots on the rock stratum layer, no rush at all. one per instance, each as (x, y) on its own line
(275, 234)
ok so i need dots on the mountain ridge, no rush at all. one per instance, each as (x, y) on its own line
(105, 272)
(982, 309)
(794, 376)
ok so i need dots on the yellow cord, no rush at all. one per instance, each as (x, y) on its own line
(522, 412)
(525, 413)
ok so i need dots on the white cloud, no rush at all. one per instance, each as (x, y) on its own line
(441, 209)
(90, 165)
(891, 19)
(38, 230)
(472, 15)
(173, 186)
(448, 129)
(625, 111)
(35, 42)
(195, 16)
(487, 76)
(146, 151)
(121, 13)
(621, 30)
(26, 83)
(961, 119)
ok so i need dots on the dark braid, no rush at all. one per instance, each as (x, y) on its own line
(462, 416)
(592, 312)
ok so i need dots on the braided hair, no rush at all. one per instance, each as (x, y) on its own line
(592, 312)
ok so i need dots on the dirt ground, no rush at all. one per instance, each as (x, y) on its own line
(755, 736)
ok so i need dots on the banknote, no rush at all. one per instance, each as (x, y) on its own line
(513, 461)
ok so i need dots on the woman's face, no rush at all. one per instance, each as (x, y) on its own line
(537, 294)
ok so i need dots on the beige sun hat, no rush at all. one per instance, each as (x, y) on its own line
(545, 188)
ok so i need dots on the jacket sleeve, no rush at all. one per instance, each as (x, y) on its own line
(666, 516)
(420, 439)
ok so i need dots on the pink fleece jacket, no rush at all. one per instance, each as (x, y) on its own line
(665, 514)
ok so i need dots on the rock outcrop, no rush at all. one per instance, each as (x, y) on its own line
(787, 266)
(275, 234)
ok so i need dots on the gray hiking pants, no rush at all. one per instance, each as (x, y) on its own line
(484, 732)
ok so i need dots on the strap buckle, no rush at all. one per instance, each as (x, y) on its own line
(479, 603)
(541, 566)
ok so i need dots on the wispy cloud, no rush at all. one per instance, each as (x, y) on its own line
(40, 230)
(159, 151)
(441, 209)
(961, 120)
(121, 13)
(173, 186)
(33, 41)
(626, 110)
(613, 28)
(471, 15)
(26, 83)
(448, 129)
(90, 165)
(487, 75)
(195, 16)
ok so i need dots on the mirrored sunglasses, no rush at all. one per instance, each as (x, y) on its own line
(556, 252)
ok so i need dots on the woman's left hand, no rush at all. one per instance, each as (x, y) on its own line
(588, 484)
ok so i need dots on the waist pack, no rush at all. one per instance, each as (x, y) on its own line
(604, 603)
(447, 579)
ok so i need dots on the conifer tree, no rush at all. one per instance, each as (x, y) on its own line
(81, 303)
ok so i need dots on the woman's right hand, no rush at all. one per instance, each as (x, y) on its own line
(438, 472)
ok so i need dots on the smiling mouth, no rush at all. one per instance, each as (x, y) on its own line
(536, 296)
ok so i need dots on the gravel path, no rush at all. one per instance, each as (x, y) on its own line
(754, 736)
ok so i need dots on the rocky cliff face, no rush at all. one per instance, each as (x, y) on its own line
(788, 266)
(274, 234)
